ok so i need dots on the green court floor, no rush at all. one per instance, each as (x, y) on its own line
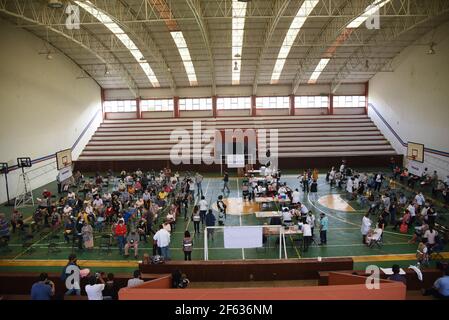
(344, 238)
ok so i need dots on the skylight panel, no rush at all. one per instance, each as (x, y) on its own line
(183, 50)
(296, 25)
(122, 36)
(319, 68)
(369, 11)
(238, 29)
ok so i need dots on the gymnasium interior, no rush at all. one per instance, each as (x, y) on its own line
(315, 130)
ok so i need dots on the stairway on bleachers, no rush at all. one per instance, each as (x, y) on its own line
(299, 136)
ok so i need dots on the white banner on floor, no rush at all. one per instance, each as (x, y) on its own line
(242, 237)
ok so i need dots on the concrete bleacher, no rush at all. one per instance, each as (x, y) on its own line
(298, 136)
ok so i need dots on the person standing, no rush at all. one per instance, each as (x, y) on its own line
(120, 233)
(210, 222)
(198, 181)
(203, 206)
(366, 226)
(196, 218)
(221, 206)
(44, 289)
(314, 190)
(187, 244)
(226, 182)
(88, 236)
(307, 234)
(324, 224)
(162, 238)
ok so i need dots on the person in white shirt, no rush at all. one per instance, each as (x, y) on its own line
(94, 289)
(430, 235)
(162, 238)
(412, 210)
(98, 203)
(303, 209)
(136, 281)
(332, 176)
(286, 216)
(67, 210)
(366, 226)
(420, 200)
(203, 205)
(350, 185)
(295, 196)
(307, 235)
(311, 221)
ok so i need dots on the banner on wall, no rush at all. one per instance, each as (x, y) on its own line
(65, 174)
(415, 167)
(242, 237)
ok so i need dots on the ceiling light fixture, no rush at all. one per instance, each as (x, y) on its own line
(300, 18)
(236, 66)
(431, 48)
(55, 4)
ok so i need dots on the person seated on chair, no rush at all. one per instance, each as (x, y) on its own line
(4, 227)
(374, 235)
(419, 232)
(430, 237)
(440, 289)
(132, 241)
(69, 228)
(422, 254)
(396, 276)
(404, 220)
(16, 220)
(55, 219)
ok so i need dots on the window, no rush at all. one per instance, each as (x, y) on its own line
(272, 102)
(156, 105)
(234, 103)
(312, 102)
(195, 104)
(120, 106)
(349, 101)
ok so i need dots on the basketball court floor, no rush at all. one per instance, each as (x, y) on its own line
(344, 237)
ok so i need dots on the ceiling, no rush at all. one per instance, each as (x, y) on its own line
(207, 29)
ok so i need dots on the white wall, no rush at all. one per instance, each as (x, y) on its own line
(43, 107)
(414, 99)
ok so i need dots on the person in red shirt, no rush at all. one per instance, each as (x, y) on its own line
(120, 233)
(46, 193)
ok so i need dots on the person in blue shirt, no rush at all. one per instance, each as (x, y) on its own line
(324, 223)
(440, 287)
(44, 289)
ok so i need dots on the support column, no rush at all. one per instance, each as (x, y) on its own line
(139, 114)
(176, 107)
(366, 96)
(292, 104)
(253, 106)
(214, 106)
(102, 103)
(331, 103)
